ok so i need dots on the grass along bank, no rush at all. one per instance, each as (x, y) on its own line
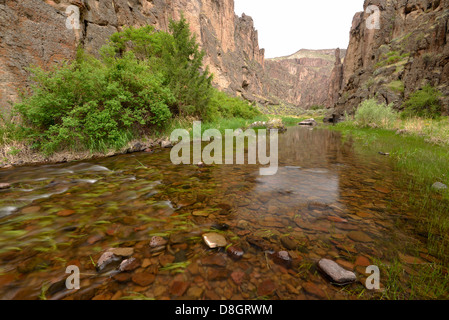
(17, 150)
(419, 149)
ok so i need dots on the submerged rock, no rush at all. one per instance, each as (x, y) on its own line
(359, 236)
(5, 186)
(266, 288)
(65, 213)
(225, 209)
(237, 277)
(259, 243)
(214, 240)
(289, 243)
(216, 260)
(439, 186)
(220, 226)
(129, 265)
(336, 273)
(178, 288)
(143, 279)
(106, 259)
(235, 253)
(157, 242)
(313, 289)
(122, 252)
(282, 258)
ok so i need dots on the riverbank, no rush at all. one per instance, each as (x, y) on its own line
(21, 152)
(416, 148)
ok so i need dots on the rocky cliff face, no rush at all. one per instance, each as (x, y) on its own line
(335, 81)
(410, 49)
(301, 79)
(34, 32)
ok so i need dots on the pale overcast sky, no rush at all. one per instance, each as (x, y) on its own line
(285, 26)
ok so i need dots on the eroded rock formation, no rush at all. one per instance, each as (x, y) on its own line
(410, 49)
(34, 32)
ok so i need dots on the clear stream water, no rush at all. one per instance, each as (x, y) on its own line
(327, 200)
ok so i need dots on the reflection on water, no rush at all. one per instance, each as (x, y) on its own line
(302, 185)
(325, 201)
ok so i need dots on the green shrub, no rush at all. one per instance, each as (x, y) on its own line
(371, 113)
(88, 103)
(391, 57)
(224, 106)
(397, 86)
(423, 103)
(177, 56)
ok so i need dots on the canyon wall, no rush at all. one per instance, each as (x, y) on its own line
(37, 33)
(410, 50)
(34, 32)
(303, 78)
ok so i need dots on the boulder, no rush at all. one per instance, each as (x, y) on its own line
(336, 273)
(166, 144)
(157, 242)
(214, 240)
(5, 186)
(106, 259)
(308, 122)
(122, 252)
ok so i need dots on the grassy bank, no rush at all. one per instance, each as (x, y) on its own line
(418, 150)
(17, 148)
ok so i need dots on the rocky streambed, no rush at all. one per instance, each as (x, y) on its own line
(139, 227)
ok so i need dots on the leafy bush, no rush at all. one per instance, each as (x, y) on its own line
(423, 103)
(89, 103)
(177, 56)
(371, 113)
(223, 106)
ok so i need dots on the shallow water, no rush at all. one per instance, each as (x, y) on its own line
(329, 200)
